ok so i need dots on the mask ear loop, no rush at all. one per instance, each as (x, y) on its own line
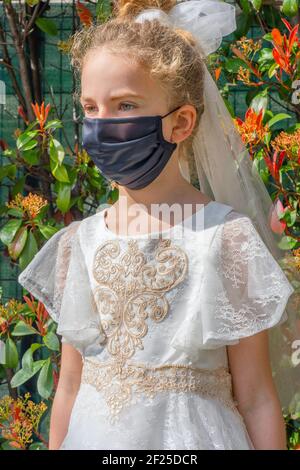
(170, 112)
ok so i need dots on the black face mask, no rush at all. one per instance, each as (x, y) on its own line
(131, 151)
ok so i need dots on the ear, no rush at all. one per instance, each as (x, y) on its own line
(183, 123)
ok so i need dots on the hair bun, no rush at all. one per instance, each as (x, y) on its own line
(132, 8)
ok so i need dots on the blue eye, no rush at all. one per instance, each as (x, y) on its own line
(128, 104)
(88, 109)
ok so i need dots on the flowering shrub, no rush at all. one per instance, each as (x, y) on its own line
(68, 186)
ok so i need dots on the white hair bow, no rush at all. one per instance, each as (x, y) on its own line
(207, 20)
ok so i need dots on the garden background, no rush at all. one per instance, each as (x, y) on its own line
(47, 180)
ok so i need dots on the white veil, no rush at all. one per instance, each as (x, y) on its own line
(224, 167)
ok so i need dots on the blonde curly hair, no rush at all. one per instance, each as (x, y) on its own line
(170, 55)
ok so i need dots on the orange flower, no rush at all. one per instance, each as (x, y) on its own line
(31, 204)
(252, 130)
(84, 14)
(218, 73)
(290, 143)
(20, 419)
(41, 113)
(249, 46)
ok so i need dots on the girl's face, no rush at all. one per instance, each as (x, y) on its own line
(113, 87)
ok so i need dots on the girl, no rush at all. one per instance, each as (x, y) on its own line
(164, 333)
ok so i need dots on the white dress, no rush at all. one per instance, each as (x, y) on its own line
(151, 317)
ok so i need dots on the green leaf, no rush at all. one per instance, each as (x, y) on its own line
(63, 197)
(260, 164)
(279, 117)
(47, 25)
(9, 230)
(268, 37)
(260, 101)
(29, 251)
(23, 329)
(47, 231)
(245, 4)
(233, 65)
(56, 151)
(27, 359)
(30, 145)
(23, 375)
(11, 354)
(8, 171)
(45, 380)
(16, 247)
(290, 7)
(51, 341)
(256, 4)
(54, 124)
(287, 243)
(15, 212)
(25, 137)
(60, 172)
(265, 58)
(272, 70)
(32, 156)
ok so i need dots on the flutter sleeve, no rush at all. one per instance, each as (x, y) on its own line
(58, 277)
(245, 290)
(239, 291)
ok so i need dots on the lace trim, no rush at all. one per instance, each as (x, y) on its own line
(121, 382)
(241, 252)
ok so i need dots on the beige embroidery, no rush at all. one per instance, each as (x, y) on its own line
(130, 290)
(120, 383)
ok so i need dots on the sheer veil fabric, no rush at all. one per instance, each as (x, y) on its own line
(225, 170)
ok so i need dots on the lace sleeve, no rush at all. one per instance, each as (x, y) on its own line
(255, 290)
(240, 291)
(44, 277)
(58, 277)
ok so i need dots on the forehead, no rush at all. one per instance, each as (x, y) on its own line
(104, 73)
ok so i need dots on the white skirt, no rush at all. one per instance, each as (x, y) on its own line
(169, 420)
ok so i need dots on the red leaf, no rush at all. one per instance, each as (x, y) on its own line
(277, 36)
(287, 24)
(293, 37)
(278, 226)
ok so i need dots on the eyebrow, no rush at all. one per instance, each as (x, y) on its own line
(114, 97)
